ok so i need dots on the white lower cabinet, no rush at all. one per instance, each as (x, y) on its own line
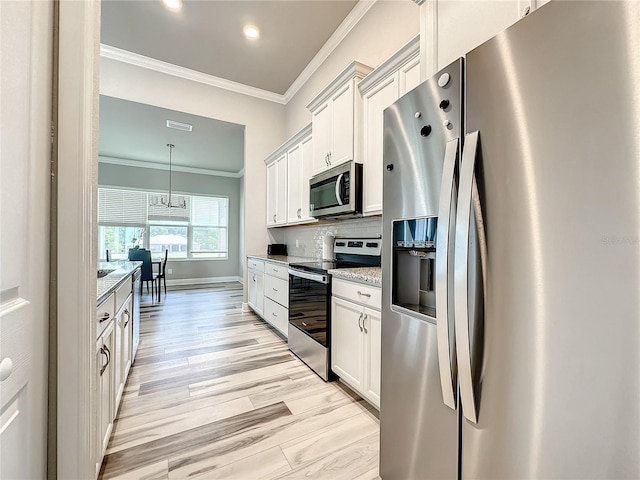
(105, 388)
(355, 338)
(268, 292)
(256, 286)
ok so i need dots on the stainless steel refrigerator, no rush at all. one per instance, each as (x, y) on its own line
(511, 256)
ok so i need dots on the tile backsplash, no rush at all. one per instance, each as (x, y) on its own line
(309, 237)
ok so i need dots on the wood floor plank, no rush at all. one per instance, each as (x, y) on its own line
(261, 466)
(183, 442)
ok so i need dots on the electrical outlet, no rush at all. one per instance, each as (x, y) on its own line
(297, 243)
(169, 271)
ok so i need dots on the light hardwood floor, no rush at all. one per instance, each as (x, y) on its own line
(215, 393)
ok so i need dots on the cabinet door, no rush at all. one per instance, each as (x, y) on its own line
(252, 287)
(259, 293)
(307, 166)
(342, 125)
(410, 75)
(116, 360)
(321, 138)
(127, 336)
(347, 342)
(106, 387)
(294, 184)
(371, 323)
(374, 104)
(272, 188)
(281, 191)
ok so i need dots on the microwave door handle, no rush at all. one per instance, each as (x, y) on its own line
(339, 189)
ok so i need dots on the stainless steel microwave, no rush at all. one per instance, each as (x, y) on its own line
(337, 192)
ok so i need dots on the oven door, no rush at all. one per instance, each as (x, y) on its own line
(309, 304)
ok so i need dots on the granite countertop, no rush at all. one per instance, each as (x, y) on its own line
(368, 275)
(121, 271)
(283, 259)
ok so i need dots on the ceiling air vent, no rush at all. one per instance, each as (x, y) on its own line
(185, 127)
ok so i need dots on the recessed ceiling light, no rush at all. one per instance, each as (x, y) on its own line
(173, 4)
(251, 32)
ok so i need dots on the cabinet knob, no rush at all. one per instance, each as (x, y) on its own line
(6, 368)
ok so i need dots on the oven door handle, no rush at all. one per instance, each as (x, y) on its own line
(316, 277)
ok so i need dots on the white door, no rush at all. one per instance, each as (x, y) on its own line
(281, 193)
(375, 103)
(294, 184)
(347, 342)
(272, 193)
(371, 325)
(342, 126)
(25, 121)
(307, 165)
(321, 138)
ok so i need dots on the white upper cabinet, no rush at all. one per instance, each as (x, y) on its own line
(288, 173)
(336, 114)
(382, 87)
(277, 191)
(299, 158)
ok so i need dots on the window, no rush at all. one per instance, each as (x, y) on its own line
(126, 219)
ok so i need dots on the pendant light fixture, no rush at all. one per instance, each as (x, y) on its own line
(169, 201)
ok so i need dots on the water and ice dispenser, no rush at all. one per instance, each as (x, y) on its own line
(414, 265)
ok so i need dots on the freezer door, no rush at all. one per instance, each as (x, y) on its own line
(556, 102)
(418, 432)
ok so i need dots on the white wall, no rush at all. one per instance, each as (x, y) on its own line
(263, 120)
(386, 27)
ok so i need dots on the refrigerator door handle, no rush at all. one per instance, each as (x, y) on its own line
(444, 284)
(468, 199)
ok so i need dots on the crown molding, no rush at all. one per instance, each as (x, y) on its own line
(407, 52)
(294, 140)
(354, 70)
(161, 166)
(351, 20)
(113, 53)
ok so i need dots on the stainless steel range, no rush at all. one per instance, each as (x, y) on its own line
(310, 300)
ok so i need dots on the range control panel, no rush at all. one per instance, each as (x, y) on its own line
(358, 246)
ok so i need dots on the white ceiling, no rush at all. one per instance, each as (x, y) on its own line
(206, 36)
(138, 133)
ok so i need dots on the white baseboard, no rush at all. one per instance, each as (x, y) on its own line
(201, 281)
(246, 308)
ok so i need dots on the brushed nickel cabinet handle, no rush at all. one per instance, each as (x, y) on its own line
(368, 295)
(106, 316)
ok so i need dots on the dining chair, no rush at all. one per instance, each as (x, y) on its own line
(147, 274)
(162, 275)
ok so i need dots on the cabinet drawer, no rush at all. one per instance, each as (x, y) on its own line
(357, 292)
(122, 294)
(257, 265)
(105, 313)
(276, 315)
(277, 290)
(277, 270)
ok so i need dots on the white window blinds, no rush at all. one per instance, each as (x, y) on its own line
(122, 207)
(209, 211)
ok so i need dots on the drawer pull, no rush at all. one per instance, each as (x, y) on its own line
(359, 320)
(274, 314)
(364, 325)
(105, 317)
(368, 295)
(274, 289)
